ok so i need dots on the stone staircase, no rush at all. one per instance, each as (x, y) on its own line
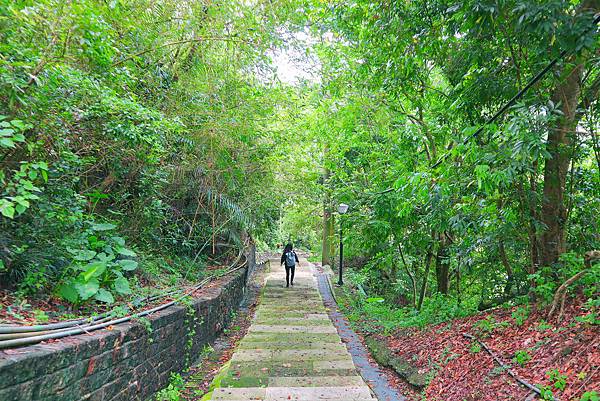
(292, 350)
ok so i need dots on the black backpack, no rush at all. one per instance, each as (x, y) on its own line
(290, 259)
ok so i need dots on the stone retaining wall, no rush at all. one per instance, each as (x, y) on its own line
(128, 362)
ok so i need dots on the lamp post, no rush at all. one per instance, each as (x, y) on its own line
(342, 209)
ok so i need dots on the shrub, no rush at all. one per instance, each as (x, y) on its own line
(98, 266)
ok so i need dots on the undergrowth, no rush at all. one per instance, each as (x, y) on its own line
(173, 390)
(374, 314)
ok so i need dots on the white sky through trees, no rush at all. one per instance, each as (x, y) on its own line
(294, 63)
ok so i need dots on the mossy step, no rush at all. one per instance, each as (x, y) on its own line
(296, 306)
(289, 355)
(291, 381)
(244, 381)
(287, 369)
(316, 381)
(292, 322)
(263, 328)
(353, 393)
(296, 345)
(291, 315)
(291, 337)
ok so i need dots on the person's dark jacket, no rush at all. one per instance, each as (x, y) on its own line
(283, 257)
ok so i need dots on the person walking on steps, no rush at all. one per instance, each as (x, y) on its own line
(289, 258)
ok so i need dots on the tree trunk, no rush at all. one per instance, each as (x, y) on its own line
(559, 144)
(528, 214)
(328, 235)
(327, 245)
(534, 239)
(442, 265)
(428, 259)
(411, 276)
(458, 277)
(509, 271)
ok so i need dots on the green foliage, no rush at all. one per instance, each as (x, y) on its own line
(114, 130)
(98, 267)
(543, 325)
(522, 357)
(376, 314)
(11, 132)
(439, 309)
(20, 187)
(545, 287)
(146, 323)
(486, 326)
(546, 392)
(40, 316)
(191, 322)
(475, 347)
(173, 391)
(590, 396)
(207, 349)
(570, 264)
(559, 381)
(592, 317)
(520, 315)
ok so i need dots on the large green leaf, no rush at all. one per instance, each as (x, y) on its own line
(121, 286)
(7, 143)
(94, 269)
(105, 257)
(127, 252)
(128, 264)
(7, 209)
(103, 226)
(118, 240)
(87, 289)
(69, 292)
(104, 296)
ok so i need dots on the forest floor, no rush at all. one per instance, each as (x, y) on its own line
(563, 358)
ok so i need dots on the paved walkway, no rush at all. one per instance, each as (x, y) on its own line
(292, 350)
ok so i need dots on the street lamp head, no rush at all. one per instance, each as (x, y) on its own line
(342, 208)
